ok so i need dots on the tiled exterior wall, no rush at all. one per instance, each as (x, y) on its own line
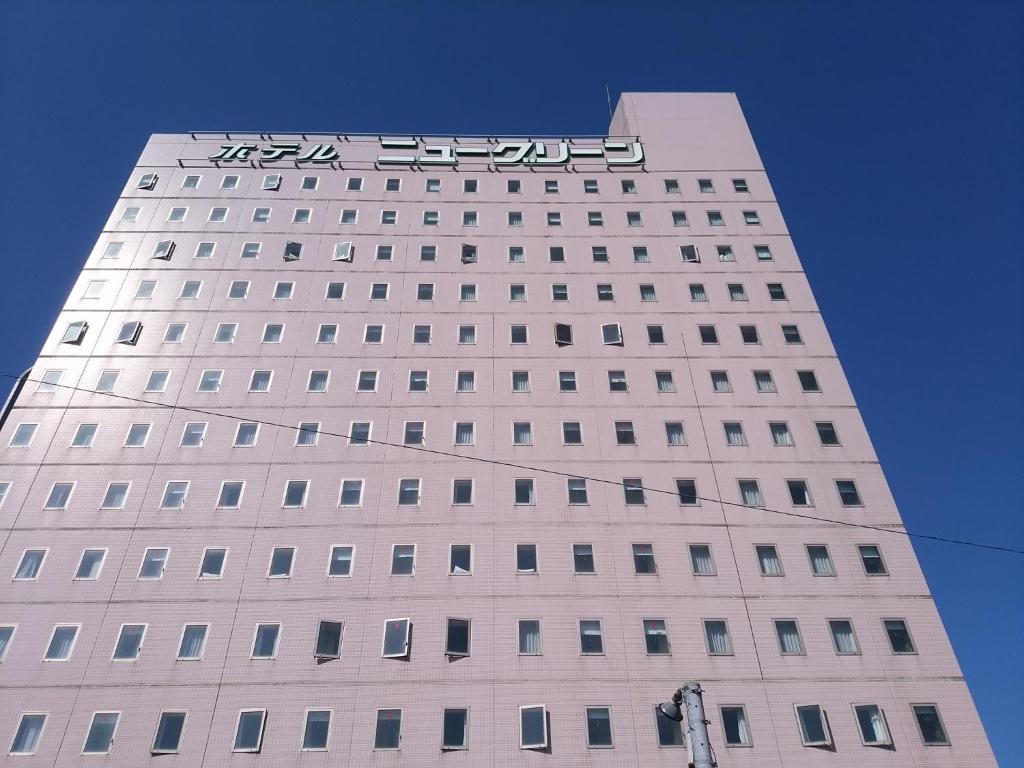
(686, 137)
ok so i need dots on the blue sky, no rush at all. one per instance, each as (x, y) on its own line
(891, 131)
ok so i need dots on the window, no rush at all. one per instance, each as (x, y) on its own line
(318, 381)
(418, 381)
(413, 433)
(656, 637)
(708, 334)
(764, 382)
(246, 434)
(316, 730)
(264, 644)
(577, 488)
(354, 184)
(515, 218)
(633, 219)
(720, 382)
(193, 434)
(734, 724)
(791, 334)
(633, 490)
(590, 186)
(168, 733)
(379, 292)
(388, 734)
(260, 381)
(281, 560)
(640, 255)
(384, 253)
(827, 434)
(799, 493)
(781, 436)
(524, 491)
(328, 640)
(387, 217)
(715, 219)
(874, 731)
(460, 560)
(701, 561)
(734, 433)
(271, 182)
(567, 381)
(153, 563)
(455, 729)
(522, 433)
(599, 254)
(75, 332)
(716, 634)
(737, 292)
(457, 636)
(583, 558)
(679, 219)
(848, 494)
(821, 560)
(425, 292)
(751, 218)
(788, 634)
(190, 182)
(129, 333)
(30, 565)
(899, 636)
(624, 433)
(302, 216)
(572, 433)
(137, 435)
(467, 292)
(611, 334)
(340, 563)
(249, 731)
(6, 635)
(462, 492)
(517, 292)
(212, 565)
(145, 289)
(768, 560)
(556, 254)
(516, 254)
(433, 185)
(686, 491)
(157, 381)
(430, 218)
(533, 727)
(174, 216)
(129, 642)
(101, 733)
(62, 642)
(551, 186)
(647, 293)
(808, 381)
(749, 334)
(529, 637)
(762, 253)
(464, 433)
(469, 219)
(193, 641)
(396, 638)
(84, 436)
(929, 723)
(295, 493)
(843, 638)
(60, 496)
(283, 290)
(776, 292)
(518, 334)
(90, 564)
(115, 496)
(218, 215)
(643, 559)
(367, 381)
(359, 432)
(871, 559)
(599, 727)
(408, 492)
(814, 730)
(591, 638)
(26, 738)
(513, 186)
(526, 558)
(421, 334)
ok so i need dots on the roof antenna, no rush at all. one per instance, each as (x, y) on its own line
(608, 93)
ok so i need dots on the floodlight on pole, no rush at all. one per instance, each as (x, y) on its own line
(688, 704)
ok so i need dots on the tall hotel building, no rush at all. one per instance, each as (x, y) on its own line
(446, 451)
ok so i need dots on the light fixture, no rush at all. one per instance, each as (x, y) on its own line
(673, 709)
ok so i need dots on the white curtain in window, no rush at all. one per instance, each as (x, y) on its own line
(770, 564)
(529, 637)
(741, 727)
(718, 637)
(751, 494)
(192, 643)
(520, 384)
(463, 434)
(722, 385)
(63, 639)
(843, 634)
(522, 434)
(821, 562)
(789, 638)
(702, 564)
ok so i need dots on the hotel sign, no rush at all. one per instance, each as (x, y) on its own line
(498, 152)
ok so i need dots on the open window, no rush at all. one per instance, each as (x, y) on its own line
(533, 727)
(163, 250)
(563, 334)
(611, 333)
(397, 633)
(814, 730)
(343, 252)
(292, 251)
(468, 253)
(148, 181)
(874, 730)
(456, 643)
(689, 254)
(272, 181)
(328, 640)
(75, 332)
(129, 333)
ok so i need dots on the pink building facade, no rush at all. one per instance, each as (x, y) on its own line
(360, 450)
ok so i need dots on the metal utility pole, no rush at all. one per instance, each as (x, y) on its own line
(697, 726)
(697, 742)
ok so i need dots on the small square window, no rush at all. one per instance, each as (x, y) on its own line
(470, 186)
(431, 218)
(764, 382)
(577, 489)
(749, 334)
(246, 434)
(871, 559)
(762, 253)
(716, 635)
(929, 723)
(705, 185)
(218, 215)
(281, 561)
(354, 184)
(567, 381)
(421, 334)
(310, 182)
(384, 252)
(679, 219)
(633, 219)
(559, 292)
(513, 186)
(408, 492)
(518, 334)
(467, 292)
(516, 254)
(340, 563)
(633, 491)
(611, 334)
(701, 561)
(292, 251)
(469, 218)
(617, 381)
(379, 291)
(689, 254)
(271, 182)
(675, 433)
(335, 292)
(715, 219)
(751, 218)
(595, 219)
(599, 253)
(460, 560)
(388, 217)
(302, 216)
(791, 334)
(425, 292)
(433, 185)
(814, 730)
(848, 493)
(821, 560)
(808, 381)
(464, 433)
(190, 182)
(590, 186)
(556, 254)
(348, 216)
(655, 334)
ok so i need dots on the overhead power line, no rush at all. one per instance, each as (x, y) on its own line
(526, 467)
